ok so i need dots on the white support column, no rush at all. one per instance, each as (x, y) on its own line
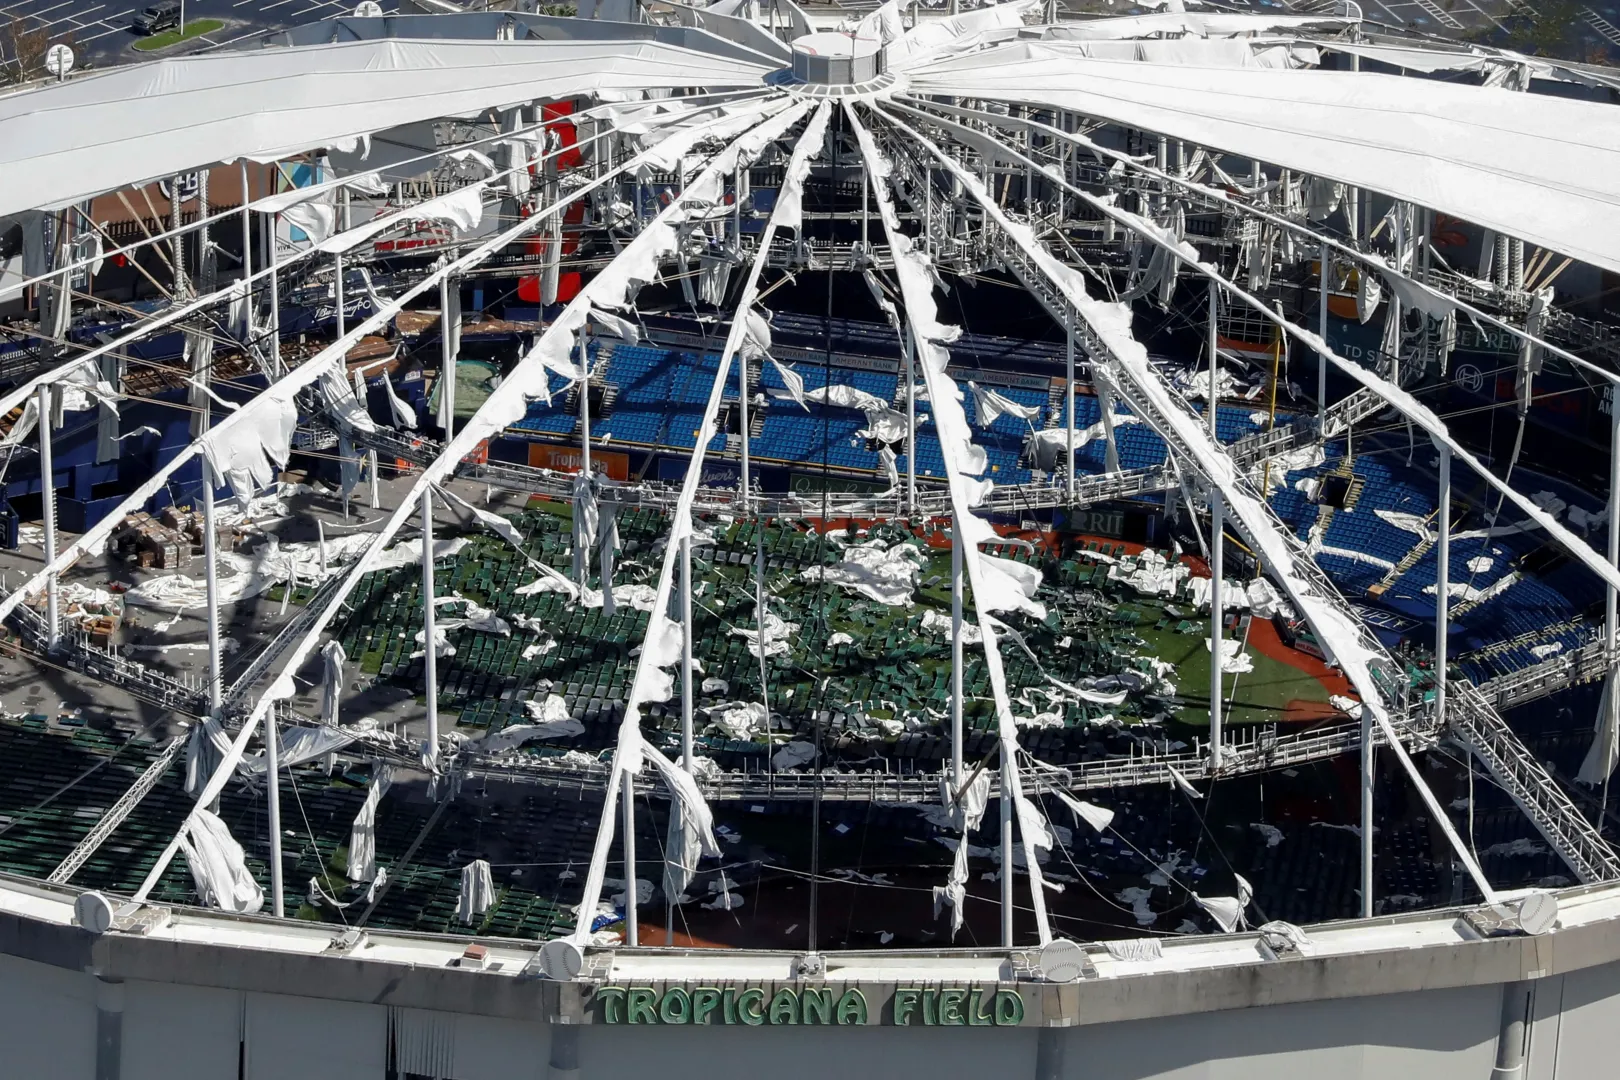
(1068, 395)
(627, 802)
(585, 403)
(1217, 621)
(449, 322)
(957, 776)
(47, 491)
(430, 660)
(337, 269)
(1366, 813)
(247, 229)
(1442, 584)
(274, 258)
(911, 424)
(1321, 332)
(1610, 621)
(1007, 874)
(1395, 311)
(686, 654)
(216, 691)
(1214, 360)
(376, 498)
(272, 790)
(1611, 600)
(742, 419)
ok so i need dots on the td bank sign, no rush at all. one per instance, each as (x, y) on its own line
(904, 1006)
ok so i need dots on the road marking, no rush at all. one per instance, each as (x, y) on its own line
(53, 7)
(104, 33)
(278, 3)
(306, 11)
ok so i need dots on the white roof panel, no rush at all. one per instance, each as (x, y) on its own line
(66, 142)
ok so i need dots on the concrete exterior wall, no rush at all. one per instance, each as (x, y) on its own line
(52, 1020)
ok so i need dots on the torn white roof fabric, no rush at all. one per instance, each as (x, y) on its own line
(218, 866)
(1544, 169)
(68, 141)
(477, 891)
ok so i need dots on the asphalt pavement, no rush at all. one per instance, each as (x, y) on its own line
(101, 35)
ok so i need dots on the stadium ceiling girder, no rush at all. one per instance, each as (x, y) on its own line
(250, 417)
(43, 140)
(502, 407)
(661, 643)
(1437, 299)
(1125, 362)
(74, 140)
(1541, 168)
(1402, 401)
(928, 337)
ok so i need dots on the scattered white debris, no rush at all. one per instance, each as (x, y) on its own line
(778, 634)
(1552, 648)
(1138, 899)
(1272, 834)
(738, 720)
(793, 755)
(937, 622)
(1234, 661)
(875, 570)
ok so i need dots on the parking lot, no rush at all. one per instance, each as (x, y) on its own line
(100, 28)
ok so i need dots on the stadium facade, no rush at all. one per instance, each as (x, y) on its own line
(1172, 488)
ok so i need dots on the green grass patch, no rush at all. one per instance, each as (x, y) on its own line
(194, 29)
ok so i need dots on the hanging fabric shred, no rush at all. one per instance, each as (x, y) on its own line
(404, 414)
(332, 657)
(585, 522)
(793, 381)
(112, 373)
(205, 748)
(1099, 818)
(1184, 784)
(607, 544)
(1604, 752)
(199, 350)
(218, 865)
(477, 891)
(992, 404)
(1228, 911)
(363, 836)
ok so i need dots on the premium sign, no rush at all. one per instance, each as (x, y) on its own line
(930, 1006)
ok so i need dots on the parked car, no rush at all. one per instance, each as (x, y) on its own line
(160, 16)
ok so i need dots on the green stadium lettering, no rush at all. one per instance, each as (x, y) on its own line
(949, 1006)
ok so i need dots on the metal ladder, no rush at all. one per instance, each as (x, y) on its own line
(1481, 729)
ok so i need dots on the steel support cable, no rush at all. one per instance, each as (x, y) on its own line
(1252, 511)
(232, 214)
(925, 331)
(14, 397)
(1222, 199)
(510, 393)
(1394, 396)
(629, 747)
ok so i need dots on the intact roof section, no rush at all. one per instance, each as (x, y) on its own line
(1541, 168)
(63, 143)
